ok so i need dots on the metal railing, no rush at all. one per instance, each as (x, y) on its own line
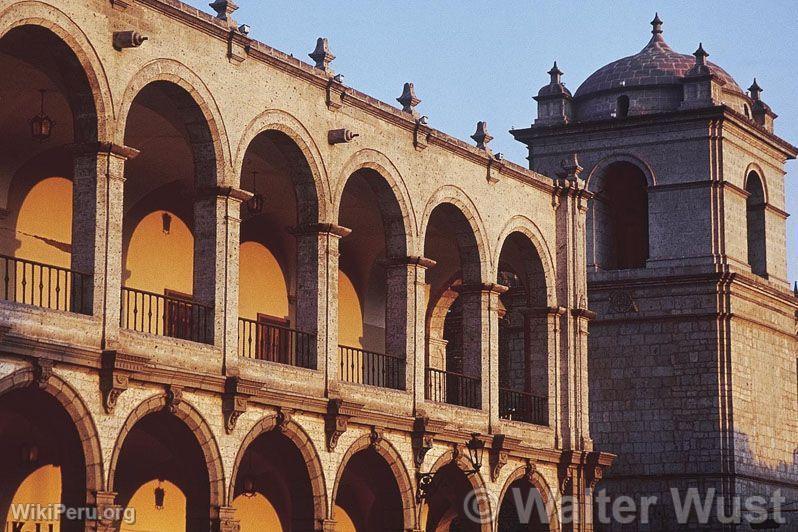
(45, 285)
(453, 388)
(166, 316)
(523, 406)
(375, 369)
(264, 341)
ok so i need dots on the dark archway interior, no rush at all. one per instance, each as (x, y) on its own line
(33, 419)
(279, 473)
(160, 446)
(755, 224)
(523, 509)
(445, 511)
(369, 494)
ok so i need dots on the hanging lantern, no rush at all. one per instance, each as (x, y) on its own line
(249, 486)
(476, 448)
(166, 223)
(256, 202)
(159, 496)
(41, 126)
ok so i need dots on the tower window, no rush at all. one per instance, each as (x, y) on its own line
(622, 107)
(755, 224)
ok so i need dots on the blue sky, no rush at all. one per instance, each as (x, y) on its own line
(473, 60)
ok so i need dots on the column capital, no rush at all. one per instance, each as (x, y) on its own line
(96, 148)
(545, 311)
(411, 260)
(322, 228)
(223, 192)
(492, 288)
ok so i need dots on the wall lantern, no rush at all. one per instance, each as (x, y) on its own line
(476, 448)
(159, 496)
(41, 126)
(256, 202)
(166, 223)
(426, 481)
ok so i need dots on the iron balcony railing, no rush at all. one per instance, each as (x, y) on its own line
(264, 341)
(45, 285)
(166, 316)
(453, 388)
(375, 369)
(523, 406)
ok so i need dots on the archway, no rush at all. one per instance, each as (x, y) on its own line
(278, 280)
(755, 205)
(177, 158)
(454, 311)
(523, 332)
(449, 505)
(524, 509)
(618, 221)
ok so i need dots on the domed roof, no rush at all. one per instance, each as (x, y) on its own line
(656, 64)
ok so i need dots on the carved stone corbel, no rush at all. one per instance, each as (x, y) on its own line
(238, 46)
(282, 419)
(375, 436)
(174, 396)
(421, 134)
(495, 167)
(335, 94)
(529, 472)
(565, 474)
(336, 419)
(234, 401)
(112, 381)
(42, 371)
(423, 437)
(499, 454)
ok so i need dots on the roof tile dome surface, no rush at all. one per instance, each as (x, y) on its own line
(656, 64)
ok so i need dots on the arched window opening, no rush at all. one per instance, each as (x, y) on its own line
(747, 110)
(622, 107)
(168, 274)
(372, 302)
(47, 107)
(523, 333)
(618, 223)
(454, 316)
(277, 321)
(755, 224)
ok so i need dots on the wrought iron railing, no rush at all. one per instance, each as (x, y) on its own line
(375, 369)
(264, 341)
(522, 406)
(45, 285)
(453, 388)
(166, 316)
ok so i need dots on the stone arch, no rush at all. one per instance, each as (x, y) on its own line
(528, 228)
(598, 169)
(72, 403)
(396, 188)
(459, 199)
(34, 13)
(538, 482)
(477, 483)
(196, 424)
(756, 169)
(294, 432)
(394, 460)
(287, 124)
(171, 71)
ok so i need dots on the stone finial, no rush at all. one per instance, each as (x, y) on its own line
(795, 289)
(224, 9)
(656, 25)
(700, 55)
(409, 100)
(322, 55)
(555, 74)
(482, 137)
(755, 90)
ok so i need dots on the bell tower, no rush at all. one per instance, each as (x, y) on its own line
(694, 350)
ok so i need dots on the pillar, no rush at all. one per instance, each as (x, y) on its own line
(109, 514)
(97, 210)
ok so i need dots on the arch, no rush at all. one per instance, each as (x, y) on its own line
(299, 437)
(195, 423)
(395, 193)
(600, 167)
(171, 71)
(756, 223)
(394, 461)
(476, 482)
(538, 482)
(459, 199)
(756, 169)
(34, 13)
(73, 404)
(285, 123)
(528, 228)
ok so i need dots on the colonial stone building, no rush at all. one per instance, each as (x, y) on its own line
(240, 293)
(693, 356)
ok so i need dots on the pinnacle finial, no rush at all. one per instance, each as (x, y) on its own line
(700, 55)
(482, 137)
(224, 9)
(555, 74)
(755, 90)
(408, 99)
(322, 55)
(656, 24)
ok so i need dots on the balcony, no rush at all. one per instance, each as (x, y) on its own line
(44, 285)
(453, 388)
(523, 406)
(373, 369)
(166, 315)
(264, 341)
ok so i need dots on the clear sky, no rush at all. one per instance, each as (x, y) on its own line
(476, 60)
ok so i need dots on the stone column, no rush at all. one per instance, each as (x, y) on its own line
(317, 292)
(109, 514)
(405, 310)
(97, 205)
(227, 522)
(217, 233)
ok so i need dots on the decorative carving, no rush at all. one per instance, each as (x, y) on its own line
(234, 403)
(128, 39)
(498, 455)
(423, 436)
(113, 381)
(341, 136)
(531, 469)
(174, 396)
(566, 480)
(622, 301)
(409, 100)
(322, 55)
(42, 371)
(282, 419)
(335, 423)
(375, 437)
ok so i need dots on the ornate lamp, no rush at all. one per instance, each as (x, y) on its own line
(426, 481)
(159, 496)
(41, 125)
(476, 448)
(256, 202)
